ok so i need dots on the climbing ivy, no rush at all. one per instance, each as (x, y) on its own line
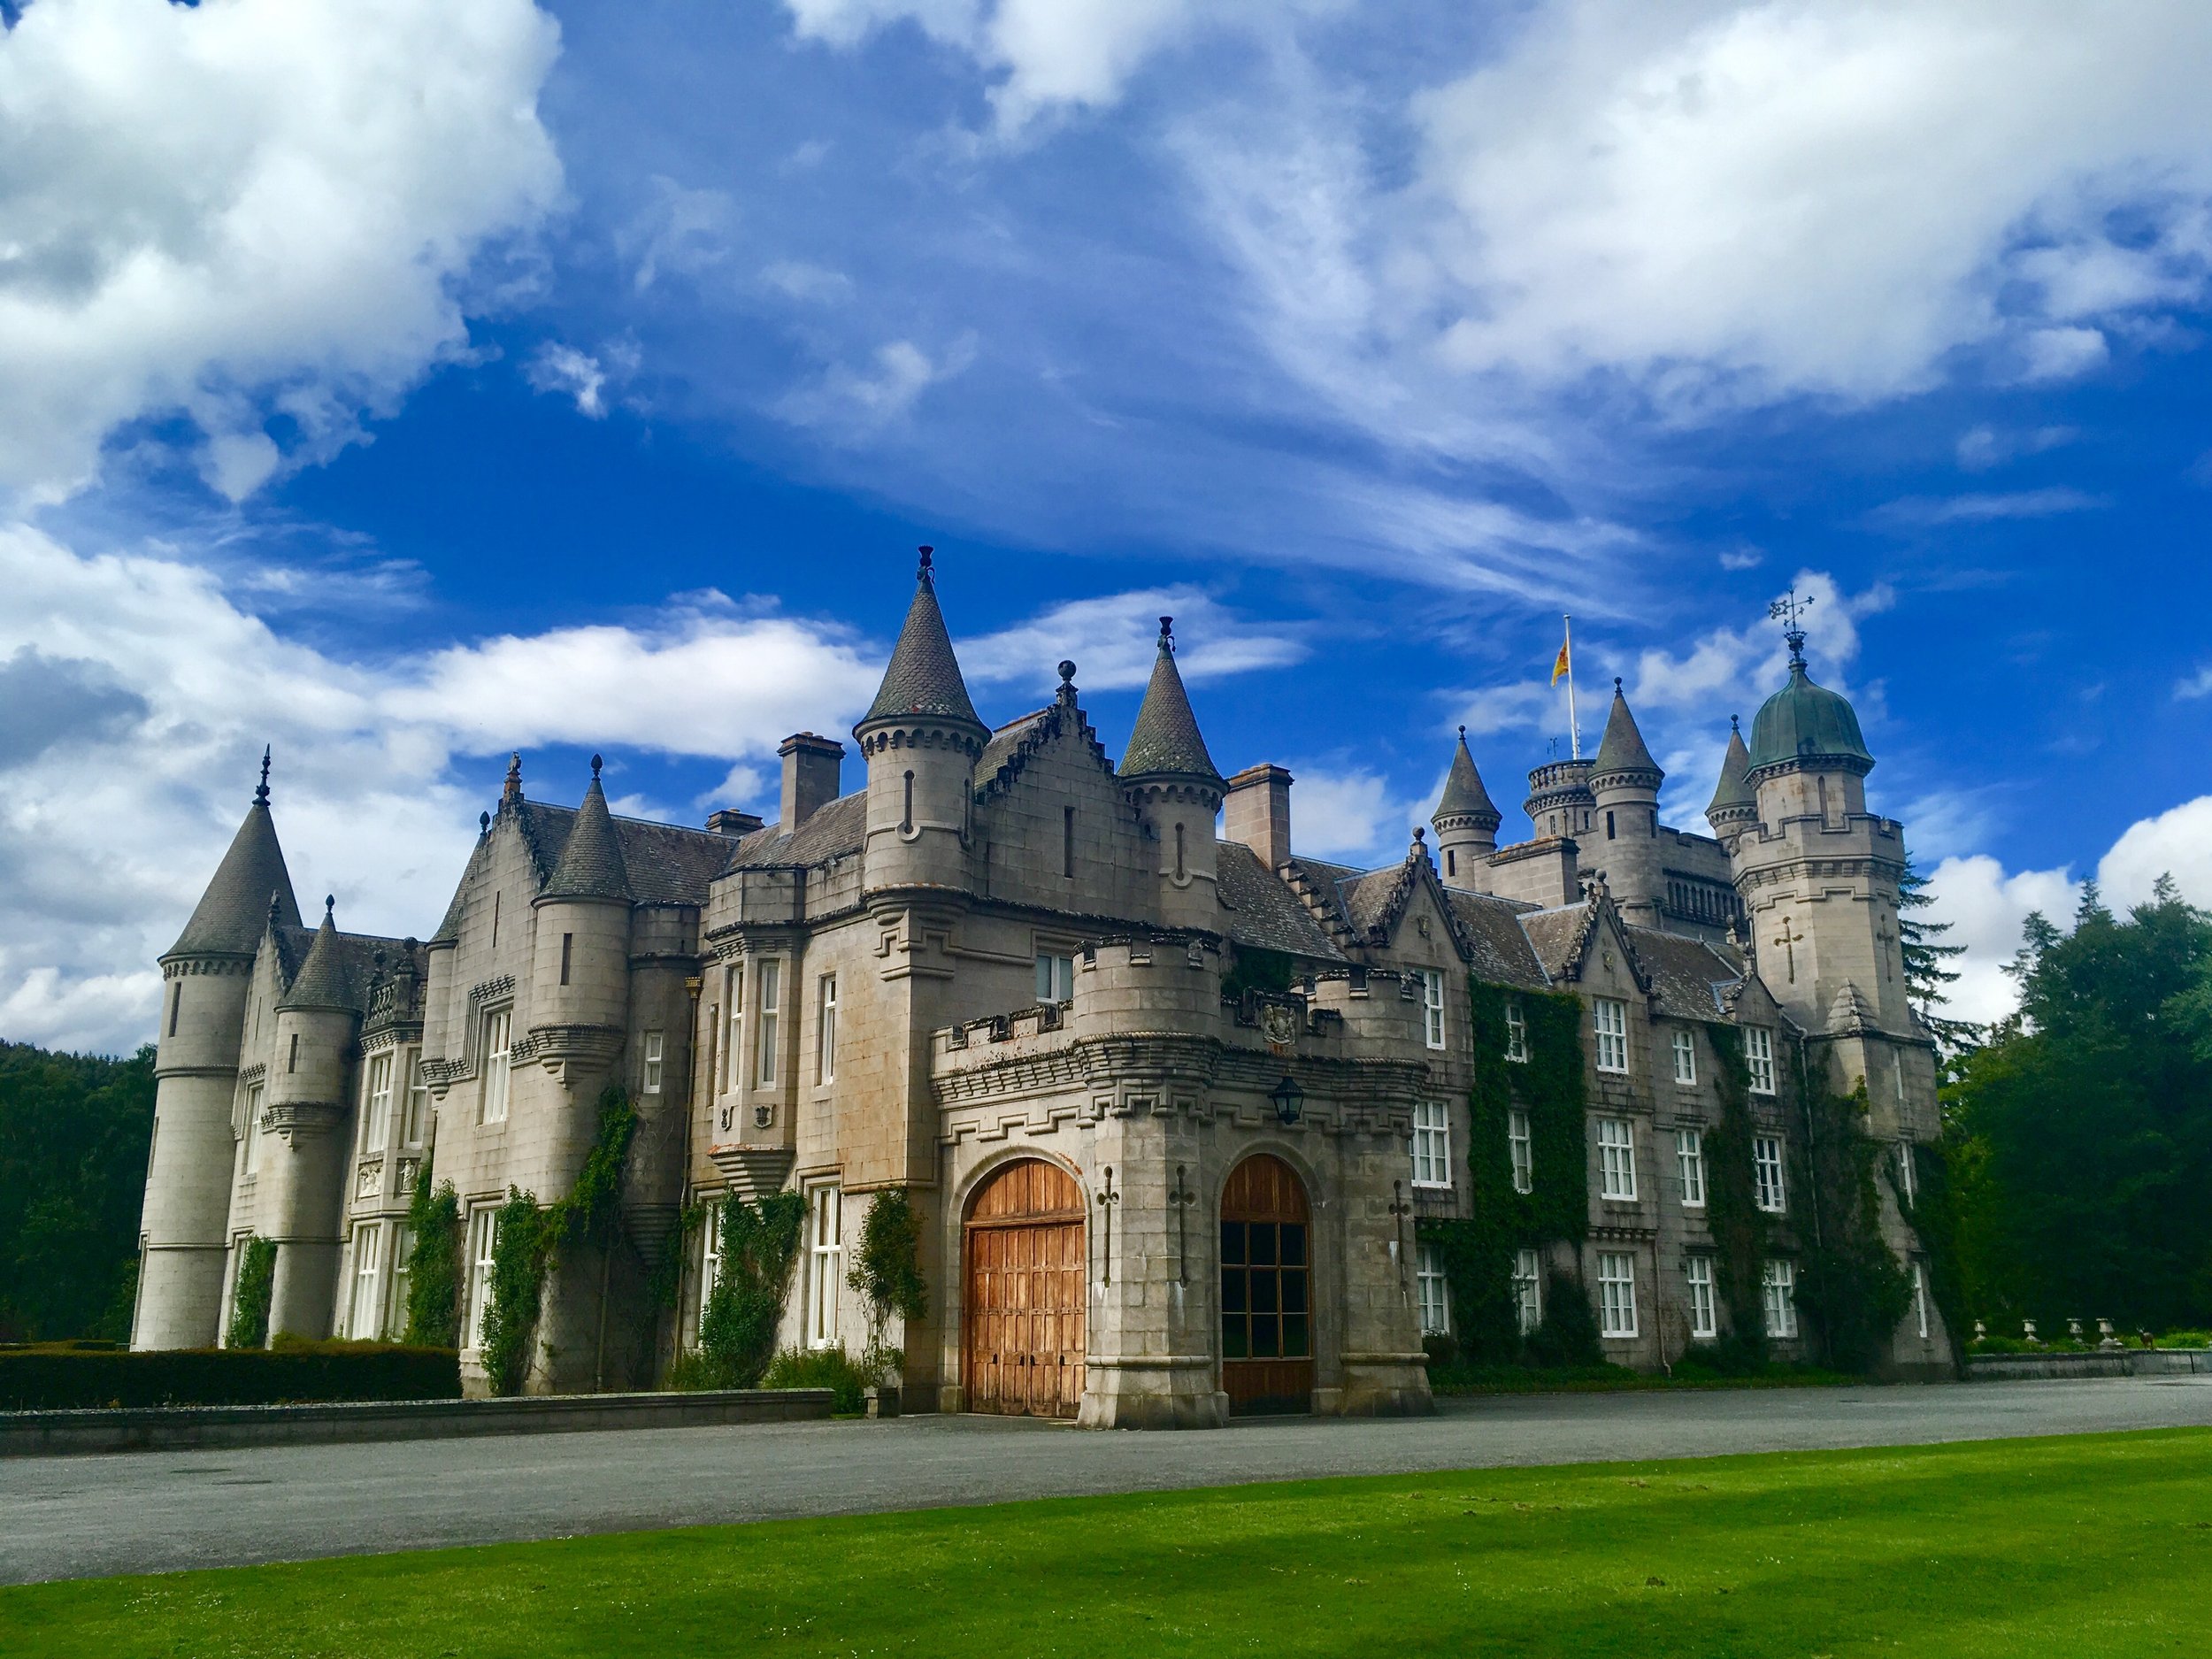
(886, 1269)
(1850, 1284)
(250, 1294)
(737, 1327)
(1933, 1216)
(433, 1271)
(1477, 1252)
(1740, 1227)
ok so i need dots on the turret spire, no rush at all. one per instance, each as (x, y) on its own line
(1464, 796)
(1623, 749)
(323, 981)
(1733, 801)
(233, 913)
(1165, 739)
(590, 865)
(924, 675)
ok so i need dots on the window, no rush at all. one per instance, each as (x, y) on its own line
(1689, 1159)
(733, 1051)
(1616, 1293)
(825, 1031)
(1522, 1144)
(1920, 1298)
(1612, 1026)
(1766, 1162)
(176, 1005)
(1778, 1293)
(710, 1258)
(483, 1235)
(1703, 1319)
(253, 1129)
(292, 1054)
(1608, 824)
(1528, 1291)
(1616, 1157)
(376, 1115)
(1758, 1053)
(568, 947)
(498, 1025)
(403, 1276)
(1265, 1307)
(1432, 1007)
(1516, 1031)
(417, 1114)
(1908, 1188)
(655, 1057)
(1428, 1288)
(825, 1257)
(362, 1321)
(1685, 1059)
(1056, 978)
(1067, 841)
(1431, 1144)
(771, 989)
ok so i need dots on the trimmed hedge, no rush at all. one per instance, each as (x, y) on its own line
(61, 1378)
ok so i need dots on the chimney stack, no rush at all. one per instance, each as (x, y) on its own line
(811, 765)
(730, 821)
(1256, 811)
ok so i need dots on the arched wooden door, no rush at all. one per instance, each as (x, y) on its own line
(1266, 1288)
(1026, 1281)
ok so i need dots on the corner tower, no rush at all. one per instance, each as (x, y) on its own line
(205, 977)
(1466, 822)
(1733, 808)
(1177, 790)
(1624, 833)
(302, 1205)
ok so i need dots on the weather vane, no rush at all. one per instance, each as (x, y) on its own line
(1790, 609)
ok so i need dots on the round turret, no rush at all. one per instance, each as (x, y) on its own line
(1806, 758)
(1623, 840)
(1466, 822)
(1176, 791)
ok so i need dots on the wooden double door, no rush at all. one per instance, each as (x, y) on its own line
(1266, 1288)
(1027, 1275)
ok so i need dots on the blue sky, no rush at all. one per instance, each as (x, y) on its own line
(404, 383)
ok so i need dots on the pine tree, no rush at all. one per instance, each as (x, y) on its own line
(1926, 963)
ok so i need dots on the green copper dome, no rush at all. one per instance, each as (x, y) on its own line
(1803, 721)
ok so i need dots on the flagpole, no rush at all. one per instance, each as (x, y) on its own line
(1574, 721)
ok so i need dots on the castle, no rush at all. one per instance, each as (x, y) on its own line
(1182, 1112)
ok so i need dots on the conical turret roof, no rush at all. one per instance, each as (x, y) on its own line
(1733, 792)
(590, 865)
(1623, 749)
(924, 676)
(1463, 794)
(322, 977)
(1165, 739)
(1806, 722)
(234, 911)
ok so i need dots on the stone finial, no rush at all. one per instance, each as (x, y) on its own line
(1167, 633)
(595, 765)
(261, 795)
(925, 571)
(330, 905)
(1066, 694)
(483, 823)
(510, 792)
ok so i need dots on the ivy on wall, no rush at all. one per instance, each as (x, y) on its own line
(887, 1271)
(1550, 1086)
(737, 1327)
(1932, 1215)
(1854, 1289)
(251, 1293)
(1739, 1226)
(434, 1272)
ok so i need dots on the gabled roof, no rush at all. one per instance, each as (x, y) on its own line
(1558, 936)
(1165, 741)
(1688, 978)
(1499, 949)
(1007, 753)
(234, 911)
(590, 865)
(834, 830)
(924, 675)
(1263, 913)
(1623, 749)
(1463, 794)
(449, 929)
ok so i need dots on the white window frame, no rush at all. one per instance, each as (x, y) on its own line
(1704, 1309)
(1528, 1290)
(1520, 1142)
(1907, 1182)
(1056, 977)
(1433, 1008)
(1516, 1031)
(1432, 1292)
(826, 1262)
(365, 1312)
(709, 1260)
(1689, 1162)
(1431, 1144)
(1616, 1295)
(1778, 1298)
(1609, 1018)
(768, 1003)
(734, 1045)
(1758, 1058)
(826, 1030)
(483, 1240)
(1920, 1298)
(1684, 1046)
(499, 1029)
(1616, 1159)
(415, 1122)
(253, 1130)
(1768, 1174)
(402, 1277)
(652, 1063)
(376, 1102)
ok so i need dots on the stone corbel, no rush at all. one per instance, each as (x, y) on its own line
(301, 1119)
(564, 1049)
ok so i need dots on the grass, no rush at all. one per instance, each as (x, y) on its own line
(2096, 1545)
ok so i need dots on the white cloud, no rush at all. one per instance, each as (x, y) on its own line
(1737, 201)
(2061, 354)
(1349, 813)
(681, 231)
(247, 208)
(563, 369)
(1739, 667)
(1984, 509)
(845, 401)
(1983, 447)
(2197, 685)
(814, 284)
(1114, 640)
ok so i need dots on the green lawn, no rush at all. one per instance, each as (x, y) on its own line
(2096, 1545)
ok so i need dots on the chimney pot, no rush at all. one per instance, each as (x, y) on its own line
(811, 767)
(1256, 812)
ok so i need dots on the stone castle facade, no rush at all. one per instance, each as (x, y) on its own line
(1172, 1101)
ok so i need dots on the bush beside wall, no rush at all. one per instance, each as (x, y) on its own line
(60, 1377)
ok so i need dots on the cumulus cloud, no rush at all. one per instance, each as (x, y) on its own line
(1981, 448)
(562, 369)
(846, 401)
(186, 226)
(1350, 812)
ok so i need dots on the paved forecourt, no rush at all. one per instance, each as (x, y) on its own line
(78, 1517)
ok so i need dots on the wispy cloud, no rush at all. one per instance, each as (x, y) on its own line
(1921, 511)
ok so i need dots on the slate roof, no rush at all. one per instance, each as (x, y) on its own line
(1558, 936)
(1687, 975)
(832, 831)
(1734, 788)
(449, 929)
(591, 864)
(1463, 794)
(1623, 748)
(1165, 739)
(662, 864)
(1809, 722)
(233, 912)
(1263, 913)
(1491, 928)
(924, 675)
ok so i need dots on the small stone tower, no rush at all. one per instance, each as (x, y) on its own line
(1733, 808)
(1623, 841)
(920, 739)
(205, 977)
(1466, 824)
(302, 1181)
(1176, 791)
(579, 972)
(1559, 802)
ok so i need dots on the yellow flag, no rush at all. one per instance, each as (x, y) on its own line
(1560, 664)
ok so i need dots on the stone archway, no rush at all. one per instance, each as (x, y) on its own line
(1026, 1279)
(1266, 1288)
